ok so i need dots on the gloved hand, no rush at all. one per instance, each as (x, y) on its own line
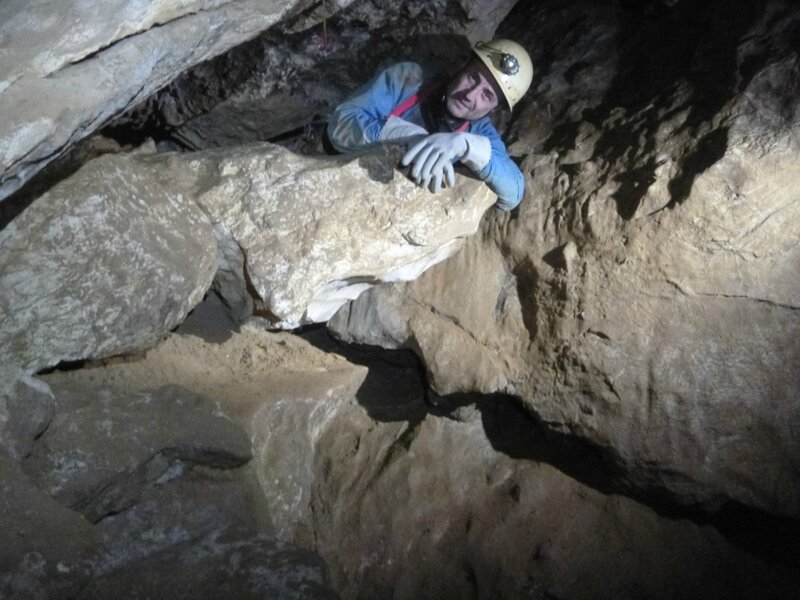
(432, 157)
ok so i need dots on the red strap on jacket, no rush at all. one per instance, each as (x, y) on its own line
(415, 99)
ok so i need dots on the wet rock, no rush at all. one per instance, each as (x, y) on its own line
(46, 550)
(103, 448)
(26, 409)
(104, 263)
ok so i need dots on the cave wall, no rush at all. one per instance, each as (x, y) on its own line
(645, 295)
(643, 299)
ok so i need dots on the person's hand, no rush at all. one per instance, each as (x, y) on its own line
(432, 159)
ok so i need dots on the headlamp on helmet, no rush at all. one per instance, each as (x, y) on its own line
(510, 66)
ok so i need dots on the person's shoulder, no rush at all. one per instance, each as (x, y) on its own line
(483, 126)
(407, 74)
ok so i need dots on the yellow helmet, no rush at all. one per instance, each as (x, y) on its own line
(510, 66)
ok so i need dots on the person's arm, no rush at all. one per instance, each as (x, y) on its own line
(500, 173)
(358, 122)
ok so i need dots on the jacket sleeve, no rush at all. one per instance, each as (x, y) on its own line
(501, 173)
(356, 123)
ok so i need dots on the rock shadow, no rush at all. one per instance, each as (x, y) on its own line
(396, 389)
(710, 148)
(665, 51)
(519, 434)
(527, 279)
(395, 386)
(660, 48)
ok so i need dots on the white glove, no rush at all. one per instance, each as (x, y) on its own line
(399, 130)
(433, 156)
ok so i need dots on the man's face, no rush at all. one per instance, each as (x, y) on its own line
(472, 93)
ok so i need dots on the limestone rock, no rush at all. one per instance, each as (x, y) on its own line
(205, 503)
(646, 297)
(26, 409)
(63, 75)
(102, 448)
(104, 263)
(459, 341)
(46, 550)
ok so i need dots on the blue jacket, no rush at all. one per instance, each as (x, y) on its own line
(357, 122)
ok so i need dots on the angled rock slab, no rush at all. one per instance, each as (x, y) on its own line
(63, 75)
(26, 409)
(103, 448)
(106, 262)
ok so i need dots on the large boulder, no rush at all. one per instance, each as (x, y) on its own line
(201, 536)
(257, 375)
(167, 529)
(106, 262)
(279, 219)
(646, 296)
(420, 506)
(115, 256)
(46, 550)
(251, 569)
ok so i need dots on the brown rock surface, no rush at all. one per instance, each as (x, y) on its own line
(403, 503)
